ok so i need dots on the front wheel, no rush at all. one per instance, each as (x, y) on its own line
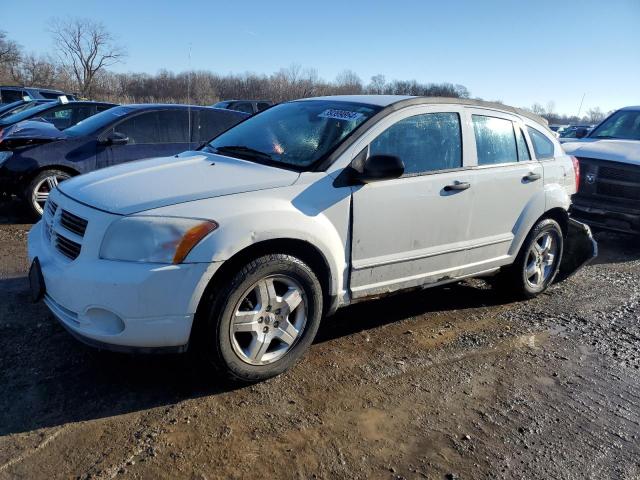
(538, 261)
(38, 190)
(263, 320)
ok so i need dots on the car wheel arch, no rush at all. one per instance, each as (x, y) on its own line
(33, 174)
(301, 249)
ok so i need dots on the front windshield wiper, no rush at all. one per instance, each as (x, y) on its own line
(244, 151)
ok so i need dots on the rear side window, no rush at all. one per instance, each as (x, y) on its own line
(263, 106)
(10, 96)
(541, 144)
(173, 126)
(61, 117)
(425, 143)
(49, 95)
(210, 123)
(495, 140)
(245, 107)
(523, 149)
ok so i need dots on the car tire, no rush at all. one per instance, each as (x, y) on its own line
(37, 192)
(262, 320)
(537, 262)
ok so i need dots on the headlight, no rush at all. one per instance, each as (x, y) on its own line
(153, 239)
(4, 156)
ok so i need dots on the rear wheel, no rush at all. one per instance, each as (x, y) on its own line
(264, 320)
(38, 190)
(537, 262)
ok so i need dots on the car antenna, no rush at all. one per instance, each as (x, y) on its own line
(189, 96)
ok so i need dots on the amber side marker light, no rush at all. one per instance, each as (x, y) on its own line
(191, 239)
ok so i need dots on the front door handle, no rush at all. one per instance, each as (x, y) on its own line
(532, 177)
(456, 186)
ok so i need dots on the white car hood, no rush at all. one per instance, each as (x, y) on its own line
(142, 185)
(624, 151)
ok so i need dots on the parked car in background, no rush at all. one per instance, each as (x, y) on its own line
(558, 128)
(241, 247)
(61, 115)
(36, 157)
(10, 94)
(574, 131)
(246, 106)
(609, 159)
(19, 106)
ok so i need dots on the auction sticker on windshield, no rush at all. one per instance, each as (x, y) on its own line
(341, 115)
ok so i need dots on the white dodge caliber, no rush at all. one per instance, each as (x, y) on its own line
(240, 248)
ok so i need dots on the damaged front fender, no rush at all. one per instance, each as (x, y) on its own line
(580, 248)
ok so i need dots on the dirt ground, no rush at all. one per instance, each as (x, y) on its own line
(453, 382)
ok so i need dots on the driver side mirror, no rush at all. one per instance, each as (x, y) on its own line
(380, 167)
(115, 138)
(581, 132)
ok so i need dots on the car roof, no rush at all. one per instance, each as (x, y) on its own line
(18, 87)
(634, 108)
(163, 106)
(243, 100)
(399, 101)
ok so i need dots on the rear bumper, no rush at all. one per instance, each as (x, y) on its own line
(606, 215)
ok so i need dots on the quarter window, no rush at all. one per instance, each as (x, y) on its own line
(541, 144)
(523, 149)
(425, 143)
(495, 140)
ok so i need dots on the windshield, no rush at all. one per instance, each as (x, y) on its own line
(624, 124)
(294, 134)
(28, 113)
(97, 122)
(20, 108)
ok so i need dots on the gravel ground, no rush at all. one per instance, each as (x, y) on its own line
(453, 382)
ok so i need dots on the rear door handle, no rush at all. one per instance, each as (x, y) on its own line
(532, 177)
(456, 186)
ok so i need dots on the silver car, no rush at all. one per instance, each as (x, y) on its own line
(239, 249)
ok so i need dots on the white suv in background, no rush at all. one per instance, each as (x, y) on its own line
(240, 248)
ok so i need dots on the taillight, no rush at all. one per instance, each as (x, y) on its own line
(576, 170)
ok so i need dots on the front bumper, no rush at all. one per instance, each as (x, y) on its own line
(121, 306)
(607, 216)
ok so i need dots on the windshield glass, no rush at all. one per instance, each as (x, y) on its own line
(294, 134)
(97, 122)
(28, 113)
(624, 124)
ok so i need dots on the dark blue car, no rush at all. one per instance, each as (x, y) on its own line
(18, 106)
(35, 156)
(62, 115)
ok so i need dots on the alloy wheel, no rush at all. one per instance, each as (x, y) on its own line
(42, 189)
(268, 320)
(541, 259)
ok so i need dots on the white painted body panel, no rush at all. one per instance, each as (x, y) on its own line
(375, 238)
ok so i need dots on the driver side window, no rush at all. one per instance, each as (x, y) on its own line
(425, 143)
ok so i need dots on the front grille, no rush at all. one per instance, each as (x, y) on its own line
(68, 248)
(632, 192)
(73, 223)
(610, 181)
(620, 174)
(51, 208)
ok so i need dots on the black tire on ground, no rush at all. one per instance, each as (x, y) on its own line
(32, 207)
(214, 338)
(514, 279)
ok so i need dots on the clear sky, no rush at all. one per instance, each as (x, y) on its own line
(519, 52)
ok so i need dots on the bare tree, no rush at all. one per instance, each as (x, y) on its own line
(86, 48)
(348, 82)
(10, 55)
(538, 109)
(594, 115)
